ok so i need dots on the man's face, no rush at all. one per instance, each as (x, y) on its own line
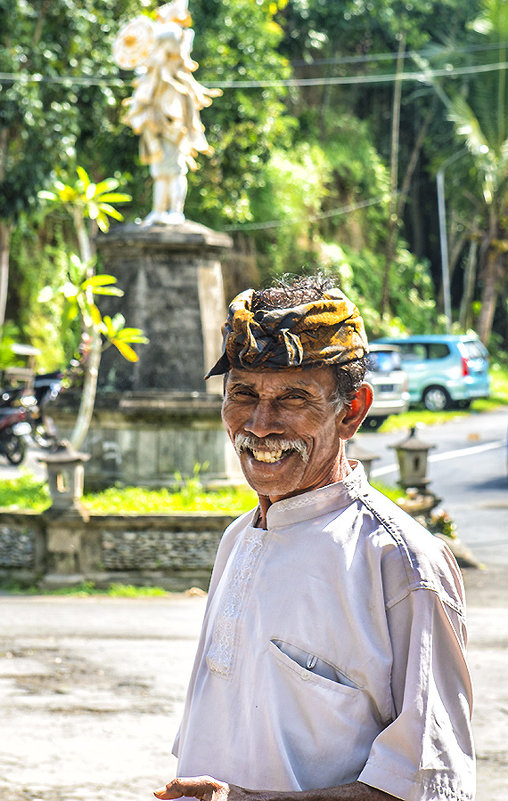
(284, 425)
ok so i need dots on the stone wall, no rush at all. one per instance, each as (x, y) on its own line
(172, 551)
(21, 540)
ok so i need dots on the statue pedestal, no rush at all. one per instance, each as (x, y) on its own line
(156, 417)
(172, 282)
(138, 439)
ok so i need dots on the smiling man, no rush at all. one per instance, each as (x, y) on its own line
(331, 661)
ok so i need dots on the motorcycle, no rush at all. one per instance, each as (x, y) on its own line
(46, 388)
(15, 428)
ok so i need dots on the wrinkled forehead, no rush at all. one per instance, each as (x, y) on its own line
(304, 378)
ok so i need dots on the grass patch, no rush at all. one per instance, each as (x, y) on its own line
(407, 420)
(394, 493)
(135, 500)
(24, 493)
(32, 495)
(86, 589)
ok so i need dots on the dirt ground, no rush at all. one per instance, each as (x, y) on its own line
(91, 691)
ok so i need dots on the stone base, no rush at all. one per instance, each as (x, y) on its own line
(153, 439)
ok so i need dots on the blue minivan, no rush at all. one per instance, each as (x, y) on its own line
(442, 369)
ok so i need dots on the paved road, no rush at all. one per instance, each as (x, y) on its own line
(468, 470)
(91, 690)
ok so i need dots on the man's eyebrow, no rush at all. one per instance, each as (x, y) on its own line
(237, 382)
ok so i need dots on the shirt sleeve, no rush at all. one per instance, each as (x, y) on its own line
(426, 753)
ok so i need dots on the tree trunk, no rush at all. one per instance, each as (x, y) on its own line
(87, 401)
(88, 393)
(5, 239)
(393, 220)
(491, 275)
(413, 160)
(5, 236)
(489, 294)
(465, 316)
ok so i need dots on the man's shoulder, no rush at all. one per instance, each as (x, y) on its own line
(411, 557)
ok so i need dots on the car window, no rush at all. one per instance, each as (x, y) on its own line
(384, 361)
(473, 350)
(438, 350)
(413, 351)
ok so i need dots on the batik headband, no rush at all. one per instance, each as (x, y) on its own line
(325, 331)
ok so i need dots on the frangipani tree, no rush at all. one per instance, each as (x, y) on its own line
(89, 205)
(87, 201)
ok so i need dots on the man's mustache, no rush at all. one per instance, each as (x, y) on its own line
(248, 443)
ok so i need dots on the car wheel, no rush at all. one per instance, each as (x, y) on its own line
(435, 399)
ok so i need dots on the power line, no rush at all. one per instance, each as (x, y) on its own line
(422, 76)
(270, 224)
(68, 80)
(373, 57)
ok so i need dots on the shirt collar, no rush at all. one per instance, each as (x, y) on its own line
(319, 501)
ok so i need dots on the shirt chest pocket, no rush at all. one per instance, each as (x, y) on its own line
(310, 666)
(321, 719)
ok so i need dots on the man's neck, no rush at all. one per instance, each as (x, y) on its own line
(265, 501)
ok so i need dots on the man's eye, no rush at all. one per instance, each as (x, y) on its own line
(293, 396)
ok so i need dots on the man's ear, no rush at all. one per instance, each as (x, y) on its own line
(349, 420)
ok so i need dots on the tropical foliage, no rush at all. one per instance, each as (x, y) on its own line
(334, 120)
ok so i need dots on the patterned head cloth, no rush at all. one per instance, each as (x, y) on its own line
(325, 331)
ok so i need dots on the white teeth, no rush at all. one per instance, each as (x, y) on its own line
(267, 456)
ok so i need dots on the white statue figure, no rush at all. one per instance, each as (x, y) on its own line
(164, 108)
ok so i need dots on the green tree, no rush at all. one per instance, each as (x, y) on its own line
(53, 56)
(359, 40)
(478, 108)
(238, 41)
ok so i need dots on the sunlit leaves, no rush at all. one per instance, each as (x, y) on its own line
(92, 200)
(79, 300)
(114, 330)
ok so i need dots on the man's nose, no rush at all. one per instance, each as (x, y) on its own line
(264, 420)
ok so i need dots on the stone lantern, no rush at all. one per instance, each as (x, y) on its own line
(412, 455)
(65, 468)
(355, 451)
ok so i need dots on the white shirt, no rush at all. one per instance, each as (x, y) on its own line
(332, 650)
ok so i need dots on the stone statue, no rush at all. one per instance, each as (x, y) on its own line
(165, 105)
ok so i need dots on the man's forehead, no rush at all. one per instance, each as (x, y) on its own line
(289, 377)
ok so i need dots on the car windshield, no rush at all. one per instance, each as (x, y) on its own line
(384, 361)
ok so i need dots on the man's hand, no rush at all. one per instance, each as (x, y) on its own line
(202, 787)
